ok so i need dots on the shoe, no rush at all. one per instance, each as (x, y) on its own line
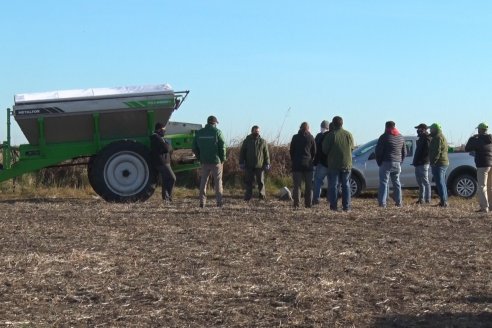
(315, 202)
(399, 205)
(346, 209)
(443, 205)
(482, 210)
(262, 197)
(220, 204)
(247, 199)
(419, 202)
(202, 205)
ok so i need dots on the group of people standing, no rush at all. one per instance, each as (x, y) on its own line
(431, 152)
(329, 155)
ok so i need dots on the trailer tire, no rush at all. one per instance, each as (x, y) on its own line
(122, 173)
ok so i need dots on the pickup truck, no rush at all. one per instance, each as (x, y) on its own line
(461, 176)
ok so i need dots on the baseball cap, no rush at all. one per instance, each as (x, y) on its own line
(159, 126)
(436, 126)
(422, 126)
(212, 120)
(483, 126)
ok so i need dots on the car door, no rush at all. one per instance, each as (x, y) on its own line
(407, 176)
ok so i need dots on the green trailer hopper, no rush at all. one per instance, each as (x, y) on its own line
(109, 126)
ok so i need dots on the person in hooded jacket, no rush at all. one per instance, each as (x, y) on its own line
(302, 152)
(254, 160)
(421, 163)
(481, 144)
(160, 154)
(438, 158)
(390, 153)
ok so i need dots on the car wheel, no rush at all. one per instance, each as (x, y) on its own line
(355, 186)
(464, 186)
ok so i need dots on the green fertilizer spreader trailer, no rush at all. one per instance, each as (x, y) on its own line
(109, 126)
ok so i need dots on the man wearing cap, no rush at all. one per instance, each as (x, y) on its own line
(481, 144)
(210, 149)
(254, 159)
(421, 163)
(320, 168)
(160, 155)
(390, 153)
(438, 158)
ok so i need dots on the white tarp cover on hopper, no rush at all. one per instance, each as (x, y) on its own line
(93, 92)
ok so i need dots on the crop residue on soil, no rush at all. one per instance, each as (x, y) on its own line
(79, 262)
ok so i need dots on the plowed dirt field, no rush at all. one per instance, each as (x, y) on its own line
(87, 263)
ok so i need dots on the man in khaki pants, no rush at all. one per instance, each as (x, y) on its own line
(481, 144)
(209, 147)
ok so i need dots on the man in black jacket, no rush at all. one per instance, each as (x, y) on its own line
(421, 163)
(160, 154)
(481, 144)
(302, 152)
(320, 168)
(390, 153)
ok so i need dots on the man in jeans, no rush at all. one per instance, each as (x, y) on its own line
(209, 147)
(160, 155)
(438, 157)
(302, 152)
(254, 160)
(338, 146)
(421, 163)
(390, 153)
(481, 144)
(320, 168)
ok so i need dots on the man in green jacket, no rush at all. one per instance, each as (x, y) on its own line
(438, 156)
(338, 146)
(254, 159)
(209, 147)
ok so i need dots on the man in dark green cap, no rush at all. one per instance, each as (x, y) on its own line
(481, 144)
(438, 157)
(210, 149)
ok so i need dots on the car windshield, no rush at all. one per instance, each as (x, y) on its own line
(367, 147)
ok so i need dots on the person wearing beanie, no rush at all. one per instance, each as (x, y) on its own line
(481, 144)
(421, 163)
(438, 158)
(210, 149)
(338, 146)
(320, 168)
(390, 153)
(160, 155)
(302, 151)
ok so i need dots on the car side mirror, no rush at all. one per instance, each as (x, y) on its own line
(372, 156)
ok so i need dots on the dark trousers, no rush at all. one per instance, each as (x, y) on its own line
(250, 175)
(307, 177)
(168, 180)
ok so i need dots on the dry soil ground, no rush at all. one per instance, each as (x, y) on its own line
(87, 263)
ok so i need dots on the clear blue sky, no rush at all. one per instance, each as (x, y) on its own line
(248, 62)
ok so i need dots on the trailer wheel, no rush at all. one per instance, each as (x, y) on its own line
(121, 172)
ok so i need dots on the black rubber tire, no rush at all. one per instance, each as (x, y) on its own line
(464, 185)
(121, 172)
(355, 186)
